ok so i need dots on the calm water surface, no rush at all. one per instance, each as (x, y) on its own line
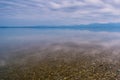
(19, 38)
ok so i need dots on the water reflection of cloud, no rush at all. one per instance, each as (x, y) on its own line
(79, 36)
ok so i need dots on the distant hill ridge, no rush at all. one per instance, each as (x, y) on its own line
(81, 25)
(91, 27)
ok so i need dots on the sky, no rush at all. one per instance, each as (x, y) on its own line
(58, 12)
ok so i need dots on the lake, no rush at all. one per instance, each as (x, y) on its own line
(44, 50)
(19, 36)
(12, 39)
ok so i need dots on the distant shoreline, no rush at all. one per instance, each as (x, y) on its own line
(98, 27)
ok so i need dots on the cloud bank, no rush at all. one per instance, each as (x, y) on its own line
(56, 12)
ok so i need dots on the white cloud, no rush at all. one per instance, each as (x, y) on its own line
(62, 11)
(117, 1)
(94, 2)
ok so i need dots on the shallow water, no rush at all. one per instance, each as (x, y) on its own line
(18, 39)
(19, 36)
(48, 50)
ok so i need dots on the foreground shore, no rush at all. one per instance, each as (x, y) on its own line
(67, 61)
